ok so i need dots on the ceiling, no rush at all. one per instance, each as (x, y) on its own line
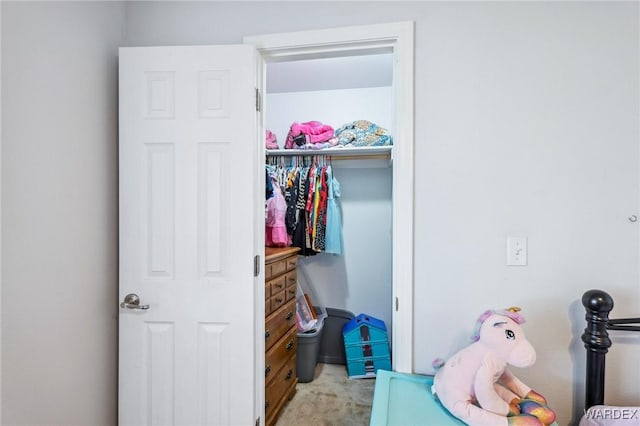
(347, 72)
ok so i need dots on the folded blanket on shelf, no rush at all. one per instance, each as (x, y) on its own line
(309, 132)
(271, 142)
(363, 133)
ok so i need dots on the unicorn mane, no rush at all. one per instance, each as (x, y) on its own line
(512, 312)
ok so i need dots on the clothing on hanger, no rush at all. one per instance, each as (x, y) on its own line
(333, 233)
(304, 205)
(275, 228)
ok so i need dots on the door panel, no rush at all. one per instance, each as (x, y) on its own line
(187, 211)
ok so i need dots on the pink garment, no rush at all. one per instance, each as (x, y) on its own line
(271, 140)
(275, 228)
(320, 145)
(313, 131)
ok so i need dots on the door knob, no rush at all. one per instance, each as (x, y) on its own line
(132, 301)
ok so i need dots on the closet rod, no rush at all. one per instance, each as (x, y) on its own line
(352, 157)
(335, 153)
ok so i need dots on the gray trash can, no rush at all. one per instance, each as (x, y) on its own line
(332, 342)
(307, 353)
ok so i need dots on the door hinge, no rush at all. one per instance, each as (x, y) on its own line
(396, 303)
(256, 265)
(258, 100)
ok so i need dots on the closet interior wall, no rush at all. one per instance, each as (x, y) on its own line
(359, 280)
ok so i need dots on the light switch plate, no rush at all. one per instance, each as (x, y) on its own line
(517, 251)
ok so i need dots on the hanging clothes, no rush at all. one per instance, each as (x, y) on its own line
(269, 186)
(333, 233)
(291, 197)
(309, 210)
(320, 207)
(311, 215)
(300, 232)
(275, 228)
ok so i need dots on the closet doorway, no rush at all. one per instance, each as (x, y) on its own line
(336, 92)
(395, 41)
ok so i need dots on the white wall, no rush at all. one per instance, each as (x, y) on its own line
(359, 280)
(526, 123)
(333, 107)
(530, 121)
(343, 72)
(59, 218)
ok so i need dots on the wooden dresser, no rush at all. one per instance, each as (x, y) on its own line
(280, 332)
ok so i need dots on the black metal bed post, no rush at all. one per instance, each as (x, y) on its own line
(596, 340)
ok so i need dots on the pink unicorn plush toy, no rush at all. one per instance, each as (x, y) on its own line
(475, 384)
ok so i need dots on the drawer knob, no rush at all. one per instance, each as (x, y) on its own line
(290, 344)
(289, 315)
(267, 334)
(267, 370)
(289, 374)
(266, 404)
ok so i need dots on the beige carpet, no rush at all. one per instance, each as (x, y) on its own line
(330, 399)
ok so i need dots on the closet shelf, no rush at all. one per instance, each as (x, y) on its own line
(355, 153)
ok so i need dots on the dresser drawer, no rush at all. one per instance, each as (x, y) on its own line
(267, 271)
(277, 284)
(282, 381)
(291, 263)
(277, 300)
(280, 353)
(278, 267)
(279, 323)
(290, 293)
(291, 279)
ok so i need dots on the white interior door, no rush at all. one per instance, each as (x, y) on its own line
(188, 179)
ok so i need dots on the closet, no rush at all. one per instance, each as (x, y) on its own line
(336, 91)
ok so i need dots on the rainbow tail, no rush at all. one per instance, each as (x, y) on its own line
(523, 420)
(543, 413)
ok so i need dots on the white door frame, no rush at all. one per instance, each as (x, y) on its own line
(397, 38)
(0, 221)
